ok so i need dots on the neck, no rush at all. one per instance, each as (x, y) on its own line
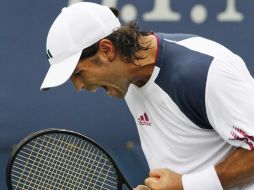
(143, 68)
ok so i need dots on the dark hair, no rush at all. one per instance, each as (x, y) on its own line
(126, 39)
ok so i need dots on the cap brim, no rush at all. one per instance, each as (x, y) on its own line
(60, 72)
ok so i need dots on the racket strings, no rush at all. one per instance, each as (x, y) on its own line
(37, 170)
(64, 180)
(45, 173)
(62, 162)
(68, 144)
(22, 171)
(73, 162)
(68, 170)
(57, 164)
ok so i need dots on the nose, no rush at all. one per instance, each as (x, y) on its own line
(77, 83)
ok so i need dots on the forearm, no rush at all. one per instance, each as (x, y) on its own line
(237, 168)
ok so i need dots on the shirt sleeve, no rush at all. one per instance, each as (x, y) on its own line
(206, 179)
(230, 102)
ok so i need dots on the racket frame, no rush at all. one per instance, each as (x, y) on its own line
(120, 178)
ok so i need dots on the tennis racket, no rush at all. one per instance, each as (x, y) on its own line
(61, 159)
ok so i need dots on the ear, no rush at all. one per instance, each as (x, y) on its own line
(107, 48)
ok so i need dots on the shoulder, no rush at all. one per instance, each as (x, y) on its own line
(183, 76)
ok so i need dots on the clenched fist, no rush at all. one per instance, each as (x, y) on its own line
(162, 179)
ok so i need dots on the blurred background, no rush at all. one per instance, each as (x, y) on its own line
(23, 64)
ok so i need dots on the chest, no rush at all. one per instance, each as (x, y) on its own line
(155, 110)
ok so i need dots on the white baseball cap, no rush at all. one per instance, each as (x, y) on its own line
(76, 28)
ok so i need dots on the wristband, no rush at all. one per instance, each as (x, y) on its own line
(206, 179)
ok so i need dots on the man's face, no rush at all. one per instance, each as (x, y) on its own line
(99, 71)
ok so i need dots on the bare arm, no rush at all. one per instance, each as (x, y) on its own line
(237, 168)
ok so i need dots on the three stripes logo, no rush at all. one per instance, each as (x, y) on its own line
(240, 135)
(144, 120)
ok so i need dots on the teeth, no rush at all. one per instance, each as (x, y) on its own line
(93, 90)
(108, 93)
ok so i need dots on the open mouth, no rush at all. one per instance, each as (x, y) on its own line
(107, 90)
(105, 87)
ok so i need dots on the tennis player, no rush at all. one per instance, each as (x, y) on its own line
(191, 98)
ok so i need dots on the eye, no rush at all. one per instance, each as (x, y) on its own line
(76, 73)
